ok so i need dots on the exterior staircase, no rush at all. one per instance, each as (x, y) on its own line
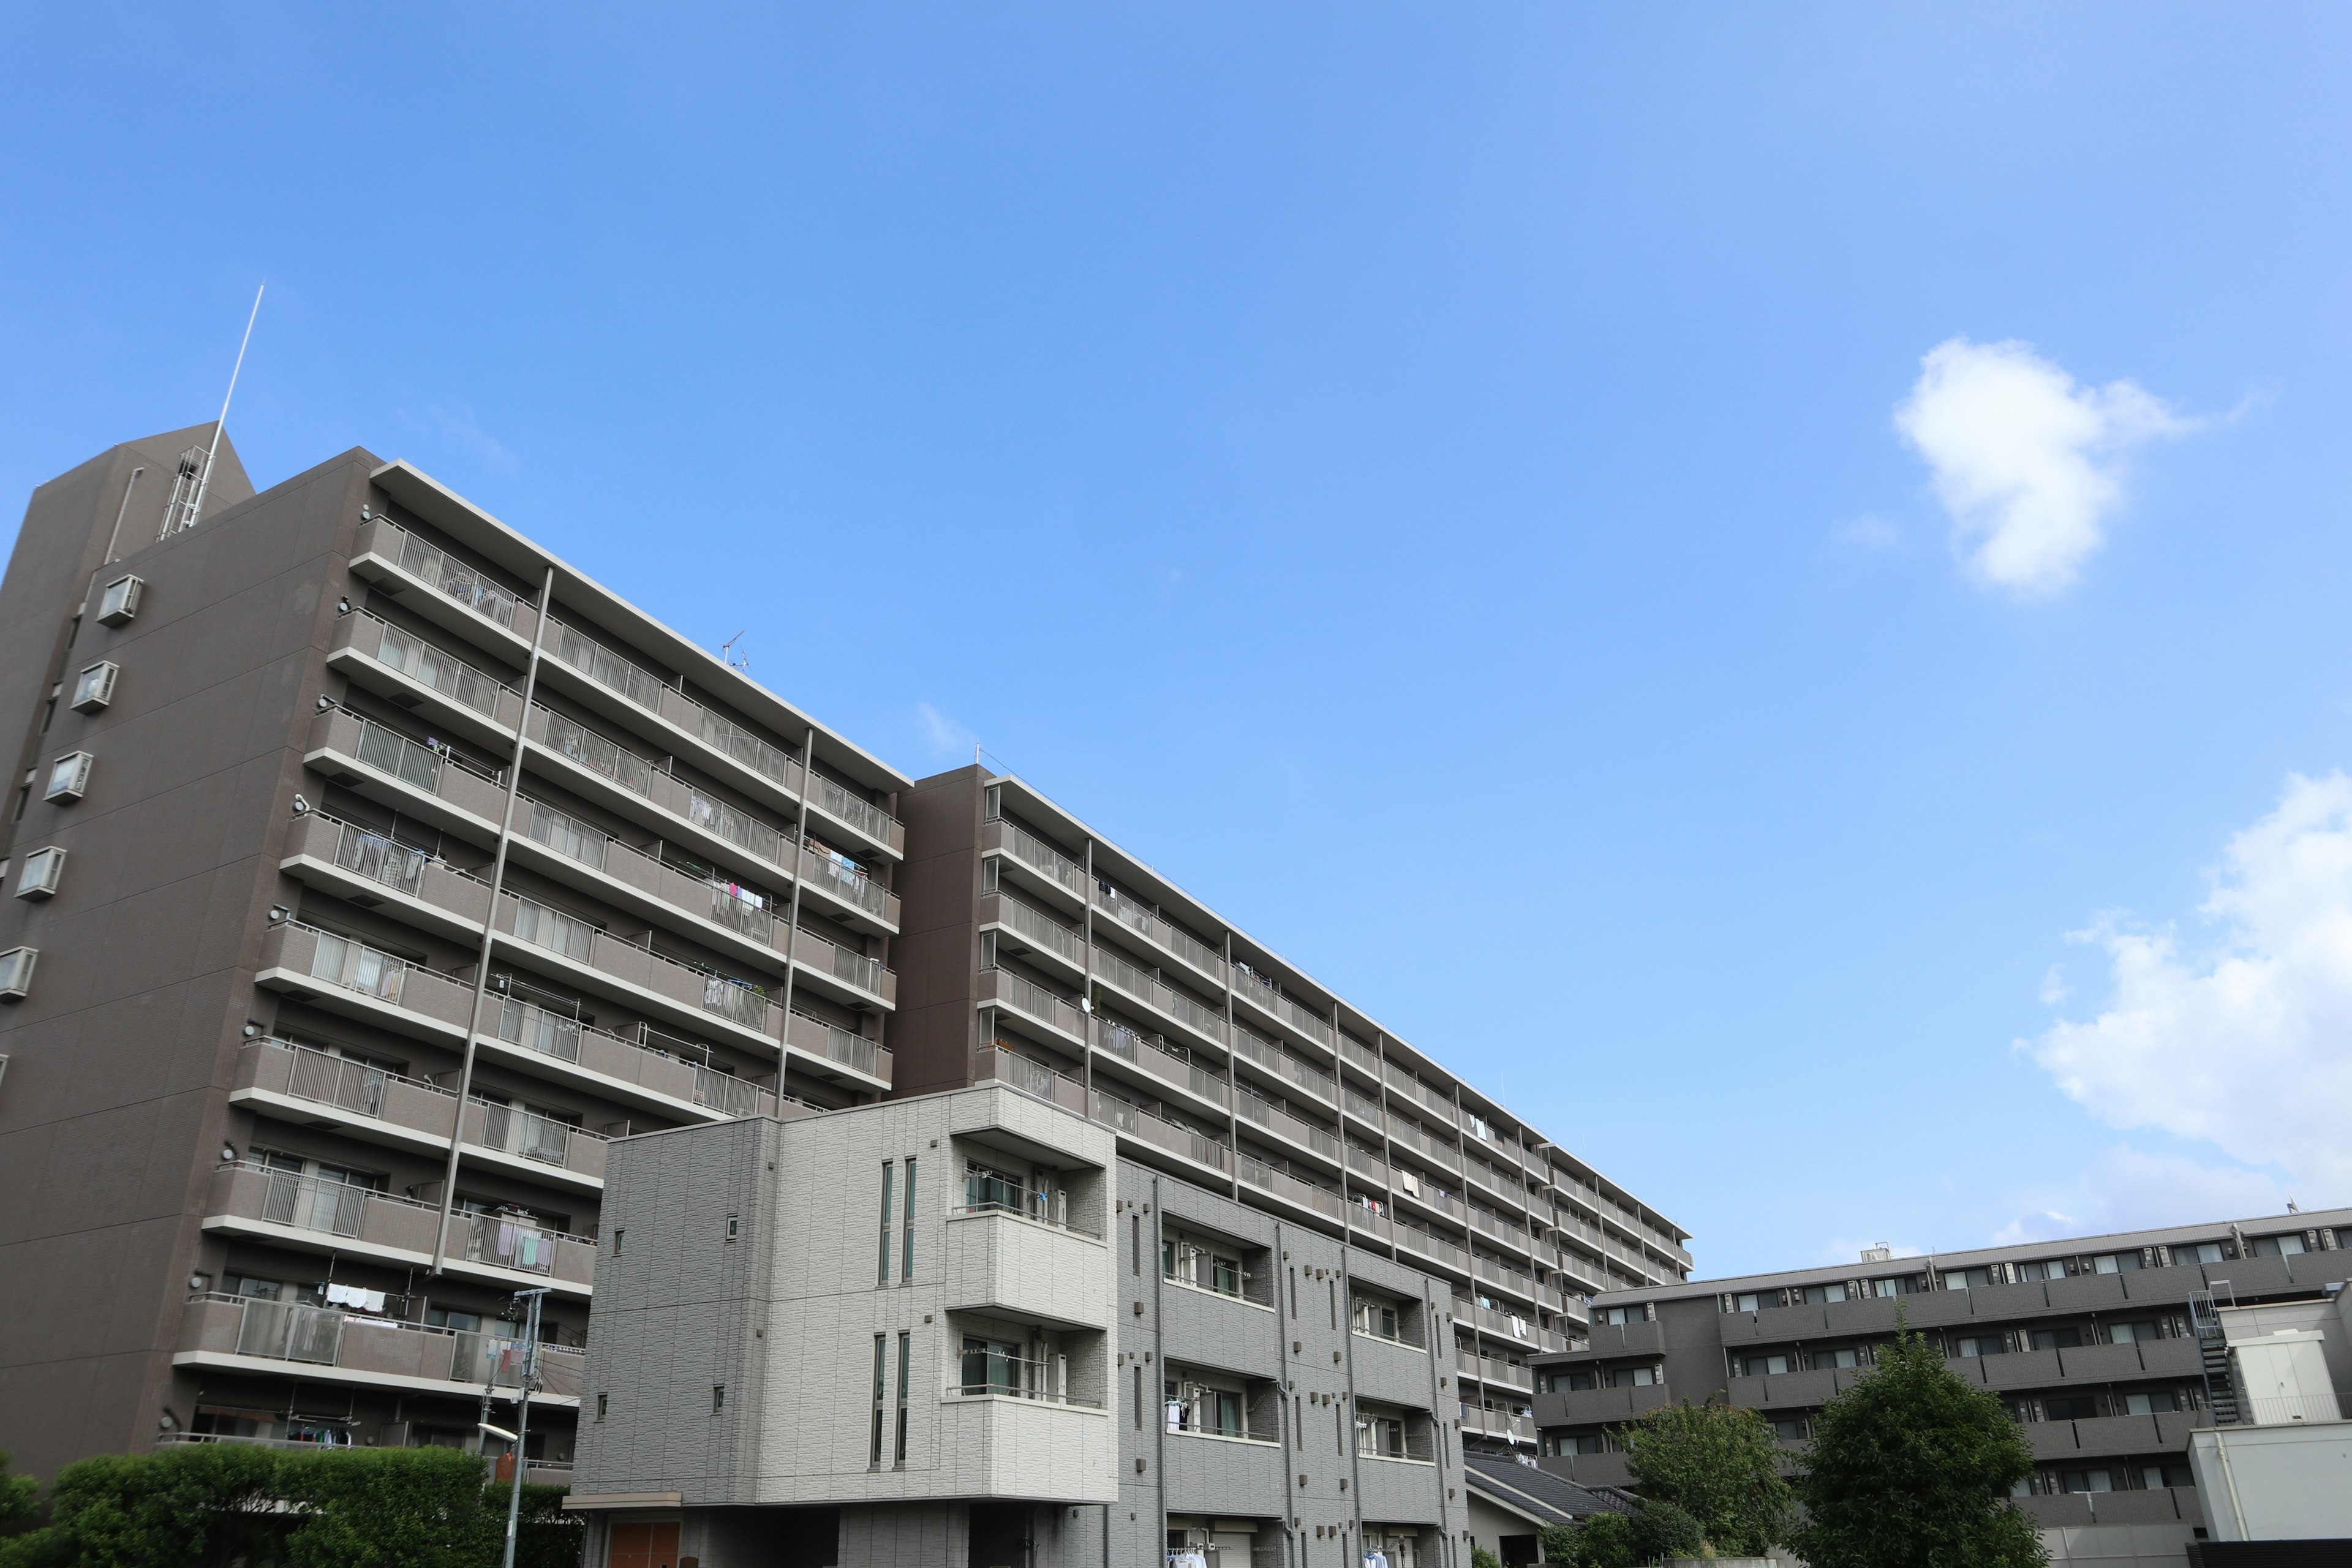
(2213, 1349)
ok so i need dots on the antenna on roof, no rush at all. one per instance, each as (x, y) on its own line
(727, 654)
(179, 514)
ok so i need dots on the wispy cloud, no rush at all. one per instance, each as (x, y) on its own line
(1869, 531)
(943, 735)
(2025, 460)
(457, 425)
(2126, 1188)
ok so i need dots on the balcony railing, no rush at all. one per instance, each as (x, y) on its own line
(1284, 1125)
(1037, 854)
(639, 967)
(673, 1075)
(402, 869)
(468, 786)
(1267, 995)
(361, 1089)
(1359, 1054)
(1404, 1084)
(1208, 1416)
(987, 1374)
(1139, 1123)
(400, 1226)
(1266, 1054)
(835, 1043)
(1018, 991)
(529, 1135)
(328, 1336)
(449, 576)
(1170, 1064)
(339, 963)
(427, 664)
(1004, 1066)
(1284, 1185)
(1376, 1441)
(1133, 980)
(1049, 933)
(1190, 949)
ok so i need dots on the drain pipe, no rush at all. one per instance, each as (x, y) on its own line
(490, 922)
(115, 537)
(793, 930)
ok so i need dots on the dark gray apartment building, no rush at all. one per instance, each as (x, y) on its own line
(368, 871)
(2109, 1349)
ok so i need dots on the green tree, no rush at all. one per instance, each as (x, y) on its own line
(391, 1507)
(205, 1505)
(20, 1496)
(1662, 1529)
(1912, 1465)
(1607, 1541)
(1720, 1466)
(1557, 1544)
(550, 1538)
(1482, 1558)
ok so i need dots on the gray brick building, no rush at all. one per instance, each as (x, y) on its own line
(2094, 1344)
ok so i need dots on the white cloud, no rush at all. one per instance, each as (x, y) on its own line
(943, 735)
(2054, 989)
(2023, 458)
(1869, 531)
(2242, 1043)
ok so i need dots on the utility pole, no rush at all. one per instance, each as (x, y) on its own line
(523, 1409)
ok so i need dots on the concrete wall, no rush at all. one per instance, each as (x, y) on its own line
(2274, 1483)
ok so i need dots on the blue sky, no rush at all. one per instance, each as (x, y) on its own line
(1433, 480)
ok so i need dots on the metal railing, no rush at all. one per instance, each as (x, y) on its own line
(1137, 1123)
(454, 578)
(1270, 1056)
(1042, 857)
(1033, 999)
(1203, 1414)
(988, 1374)
(1376, 1440)
(1045, 933)
(1006, 1066)
(1171, 1065)
(1187, 947)
(1133, 979)
(330, 1336)
(844, 1045)
(403, 651)
(413, 763)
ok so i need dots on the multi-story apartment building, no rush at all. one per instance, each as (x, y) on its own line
(306, 785)
(961, 1328)
(1039, 952)
(2110, 1350)
(369, 872)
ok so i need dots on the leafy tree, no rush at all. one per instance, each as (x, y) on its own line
(205, 1505)
(548, 1537)
(1718, 1465)
(1557, 1544)
(20, 1496)
(1607, 1541)
(1482, 1558)
(379, 1508)
(1912, 1465)
(1662, 1529)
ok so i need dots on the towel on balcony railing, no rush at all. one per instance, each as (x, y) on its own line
(353, 1296)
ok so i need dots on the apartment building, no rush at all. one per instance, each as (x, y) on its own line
(1039, 952)
(961, 1327)
(370, 870)
(2110, 1350)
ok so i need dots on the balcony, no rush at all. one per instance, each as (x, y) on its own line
(332, 1216)
(1163, 1136)
(1280, 1123)
(1431, 1247)
(352, 978)
(619, 688)
(1280, 1066)
(369, 869)
(1166, 1001)
(1204, 960)
(837, 1047)
(536, 1146)
(1039, 1270)
(444, 590)
(1362, 1057)
(1365, 1111)
(1436, 1151)
(998, 1433)
(604, 770)
(1261, 993)
(1366, 1220)
(551, 1045)
(1499, 1373)
(1035, 864)
(414, 673)
(725, 915)
(666, 987)
(1028, 932)
(325, 1344)
(1003, 1066)
(1153, 1056)
(1283, 1184)
(1404, 1085)
(1034, 1003)
(411, 777)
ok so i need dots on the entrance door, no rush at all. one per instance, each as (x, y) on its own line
(643, 1545)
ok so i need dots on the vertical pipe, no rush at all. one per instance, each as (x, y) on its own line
(114, 538)
(1086, 984)
(490, 921)
(800, 875)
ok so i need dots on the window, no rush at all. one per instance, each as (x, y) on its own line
(907, 1237)
(1381, 1436)
(1820, 1295)
(1966, 1278)
(1623, 1315)
(1590, 1443)
(1748, 1301)
(2087, 1481)
(2052, 1269)
(1633, 1377)
(2115, 1263)
(881, 1373)
(2286, 1245)
(618, 1237)
(2158, 1403)
(1135, 1252)
(1196, 1406)
(1578, 1380)
(602, 1402)
(69, 777)
(2196, 1252)
(1789, 1428)
(1201, 1264)
(1764, 1365)
(2153, 1477)
(1138, 1396)
(94, 687)
(49, 712)
(717, 1397)
(986, 1188)
(882, 1263)
(120, 602)
(1984, 1344)
(16, 970)
(2131, 1333)
(1901, 1285)
(906, 1364)
(1378, 1319)
(1825, 1361)
(2057, 1339)
(44, 868)
(734, 1226)
(2070, 1408)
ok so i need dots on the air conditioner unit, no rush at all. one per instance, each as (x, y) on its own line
(44, 870)
(94, 687)
(17, 971)
(120, 601)
(69, 777)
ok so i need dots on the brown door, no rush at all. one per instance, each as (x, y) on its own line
(642, 1546)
